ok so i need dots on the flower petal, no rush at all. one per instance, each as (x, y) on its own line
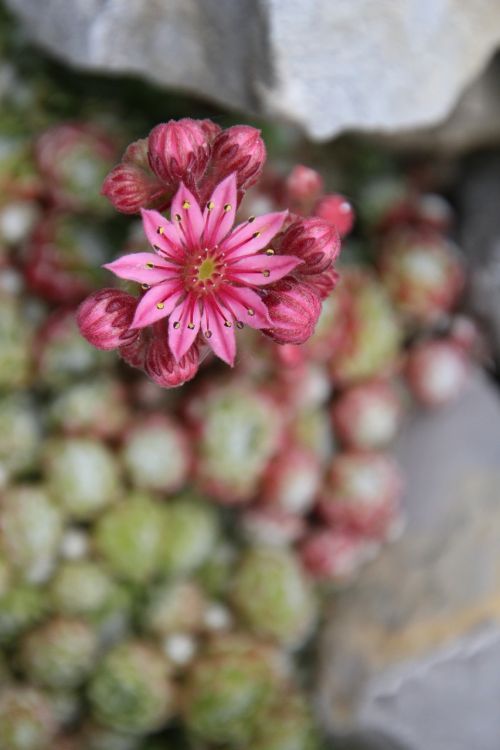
(253, 235)
(162, 234)
(220, 211)
(219, 336)
(262, 269)
(245, 305)
(145, 268)
(148, 311)
(186, 214)
(183, 326)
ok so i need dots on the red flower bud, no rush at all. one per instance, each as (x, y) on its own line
(178, 151)
(314, 241)
(303, 185)
(129, 188)
(239, 149)
(211, 129)
(104, 318)
(324, 283)
(336, 210)
(159, 362)
(294, 309)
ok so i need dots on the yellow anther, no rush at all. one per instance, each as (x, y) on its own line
(191, 326)
(210, 205)
(239, 324)
(186, 204)
(160, 230)
(227, 324)
(269, 251)
(177, 325)
(256, 234)
(178, 217)
(144, 286)
(227, 207)
(160, 305)
(266, 273)
(149, 266)
(250, 219)
(250, 311)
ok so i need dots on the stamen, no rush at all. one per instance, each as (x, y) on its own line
(178, 217)
(208, 334)
(227, 207)
(239, 324)
(251, 312)
(144, 286)
(160, 305)
(149, 265)
(266, 273)
(177, 325)
(256, 234)
(210, 205)
(270, 251)
(227, 324)
(186, 204)
(250, 219)
(160, 230)
(190, 326)
(157, 247)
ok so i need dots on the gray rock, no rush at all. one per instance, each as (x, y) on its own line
(411, 651)
(479, 236)
(371, 65)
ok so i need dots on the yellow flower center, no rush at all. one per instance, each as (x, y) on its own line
(206, 269)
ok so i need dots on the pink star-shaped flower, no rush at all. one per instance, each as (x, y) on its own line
(203, 275)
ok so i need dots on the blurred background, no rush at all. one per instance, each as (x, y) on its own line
(300, 553)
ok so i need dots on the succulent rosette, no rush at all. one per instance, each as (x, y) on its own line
(422, 272)
(363, 494)
(437, 371)
(368, 415)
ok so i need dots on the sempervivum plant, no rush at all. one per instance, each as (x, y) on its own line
(82, 475)
(363, 494)
(201, 277)
(156, 454)
(227, 687)
(61, 653)
(437, 371)
(248, 426)
(273, 597)
(30, 531)
(73, 159)
(422, 272)
(372, 346)
(26, 719)
(131, 690)
(368, 415)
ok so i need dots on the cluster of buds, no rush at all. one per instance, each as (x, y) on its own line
(200, 279)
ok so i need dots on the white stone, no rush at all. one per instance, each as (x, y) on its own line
(373, 65)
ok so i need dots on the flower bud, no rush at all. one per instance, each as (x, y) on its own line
(303, 185)
(324, 283)
(314, 241)
(104, 318)
(239, 149)
(159, 362)
(294, 309)
(336, 210)
(130, 188)
(210, 128)
(178, 150)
